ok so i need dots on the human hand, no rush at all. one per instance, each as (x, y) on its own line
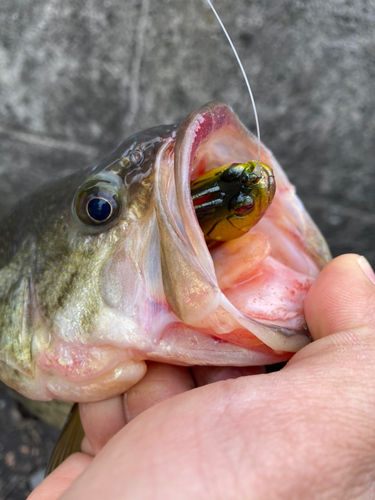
(305, 432)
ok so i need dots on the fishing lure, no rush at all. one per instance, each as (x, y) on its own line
(230, 200)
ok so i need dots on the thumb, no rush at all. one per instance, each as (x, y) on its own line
(342, 299)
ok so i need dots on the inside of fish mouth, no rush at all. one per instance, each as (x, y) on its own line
(218, 151)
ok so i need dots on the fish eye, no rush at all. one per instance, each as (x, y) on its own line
(97, 203)
(99, 209)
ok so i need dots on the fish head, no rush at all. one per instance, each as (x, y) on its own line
(108, 268)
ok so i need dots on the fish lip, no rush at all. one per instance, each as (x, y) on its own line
(68, 370)
(75, 362)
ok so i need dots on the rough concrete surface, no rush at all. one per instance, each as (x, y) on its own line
(78, 76)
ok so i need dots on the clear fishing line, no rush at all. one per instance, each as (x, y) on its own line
(243, 72)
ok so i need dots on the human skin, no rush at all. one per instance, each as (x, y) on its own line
(307, 431)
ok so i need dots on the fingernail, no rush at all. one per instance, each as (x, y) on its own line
(366, 268)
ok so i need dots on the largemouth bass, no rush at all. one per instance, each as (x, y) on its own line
(84, 301)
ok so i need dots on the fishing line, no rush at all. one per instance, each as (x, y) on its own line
(243, 72)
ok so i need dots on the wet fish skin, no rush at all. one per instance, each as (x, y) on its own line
(47, 260)
(82, 306)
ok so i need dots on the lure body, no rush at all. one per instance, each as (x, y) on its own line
(230, 200)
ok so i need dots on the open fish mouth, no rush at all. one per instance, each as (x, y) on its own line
(142, 283)
(285, 243)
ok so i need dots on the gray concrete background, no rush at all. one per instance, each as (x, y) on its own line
(77, 77)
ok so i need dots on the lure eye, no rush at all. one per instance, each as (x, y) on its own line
(232, 173)
(242, 204)
(246, 209)
(97, 202)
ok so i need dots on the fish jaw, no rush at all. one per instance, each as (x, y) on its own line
(76, 372)
(81, 372)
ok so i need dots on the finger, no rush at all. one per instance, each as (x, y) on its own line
(161, 382)
(101, 421)
(342, 299)
(61, 478)
(204, 375)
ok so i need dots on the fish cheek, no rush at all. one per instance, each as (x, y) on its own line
(110, 286)
(131, 285)
(117, 278)
(121, 286)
